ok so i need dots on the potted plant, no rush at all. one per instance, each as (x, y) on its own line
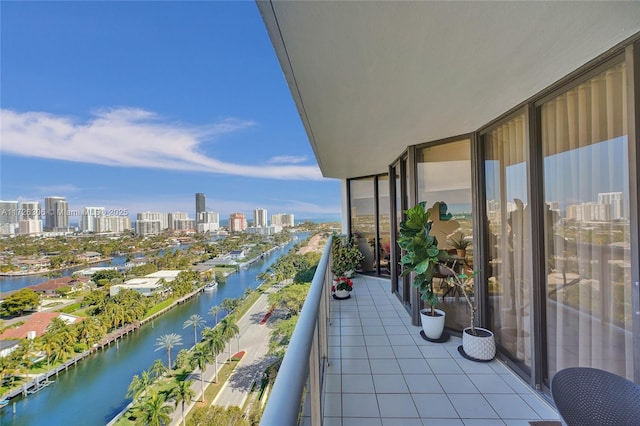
(460, 243)
(345, 256)
(478, 344)
(341, 287)
(421, 256)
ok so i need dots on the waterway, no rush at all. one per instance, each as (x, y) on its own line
(93, 392)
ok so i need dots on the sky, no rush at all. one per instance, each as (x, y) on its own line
(139, 105)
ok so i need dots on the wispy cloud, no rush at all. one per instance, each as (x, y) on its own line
(58, 189)
(287, 159)
(132, 137)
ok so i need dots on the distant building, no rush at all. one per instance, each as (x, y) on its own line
(200, 206)
(237, 222)
(147, 285)
(260, 218)
(56, 214)
(148, 227)
(30, 227)
(30, 210)
(282, 219)
(163, 218)
(8, 217)
(115, 224)
(89, 218)
(208, 222)
(237, 254)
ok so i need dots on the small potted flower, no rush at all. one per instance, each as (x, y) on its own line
(341, 287)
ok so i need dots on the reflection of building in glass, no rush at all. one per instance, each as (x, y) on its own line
(608, 208)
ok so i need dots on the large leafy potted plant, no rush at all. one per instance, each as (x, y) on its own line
(478, 344)
(345, 256)
(421, 257)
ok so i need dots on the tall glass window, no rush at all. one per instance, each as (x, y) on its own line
(586, 189)
(444, 182)
(363, 219)
(384, 227)
(509, 247)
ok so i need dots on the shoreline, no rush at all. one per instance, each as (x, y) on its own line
(48, 271)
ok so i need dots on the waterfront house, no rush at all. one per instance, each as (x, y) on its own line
(49, 288)
(522, 120)
(36, 325)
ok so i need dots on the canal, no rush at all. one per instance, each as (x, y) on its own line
(93, 392)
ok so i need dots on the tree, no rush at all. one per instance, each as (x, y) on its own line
(194, 321)
(228, 329)
(199, 358)
(214, 311)
(19, 302)
(153, 410)
(215, 343)
(168, 341)
(158, 369)
(229, 304)
(182, 393)
(139, 384)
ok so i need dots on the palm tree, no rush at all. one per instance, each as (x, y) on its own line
(215, 343)
(153, 410)
(194, 321)
(228, 329)
(199, 358)
(214, 311)
(168, 341)
(139, 384)
(158, 369)
(182, 393)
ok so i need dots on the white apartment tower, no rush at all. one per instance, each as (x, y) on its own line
(89, 218)
(282, 219)
(163, 218)
(8, 217)
(56, 213)
(260, 218)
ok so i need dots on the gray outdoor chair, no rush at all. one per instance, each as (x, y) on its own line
(591, 397)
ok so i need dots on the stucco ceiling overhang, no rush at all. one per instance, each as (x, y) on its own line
(371, 78)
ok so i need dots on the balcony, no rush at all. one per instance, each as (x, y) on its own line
(365, 364)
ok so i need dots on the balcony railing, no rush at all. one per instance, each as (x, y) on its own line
(306, 356)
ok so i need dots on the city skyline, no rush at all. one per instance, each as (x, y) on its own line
(145, 104)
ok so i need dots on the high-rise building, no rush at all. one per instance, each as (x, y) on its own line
(200, 205)
(208, 222)
(89, 218)
(30, 210)
(30, 227)
(615, 201)
(148, 227)
(260, 218)
(163, 218)
(8, 217)
(112, 223)
(56, 214)
(282, 219)
(237, 222)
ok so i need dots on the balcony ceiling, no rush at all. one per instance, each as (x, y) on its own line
(371, 78)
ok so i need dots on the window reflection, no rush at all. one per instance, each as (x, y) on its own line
(444, 182)
(586, 176)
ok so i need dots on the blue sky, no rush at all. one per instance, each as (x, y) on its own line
(139, 105)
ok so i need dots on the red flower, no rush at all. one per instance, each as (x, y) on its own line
(342, 283)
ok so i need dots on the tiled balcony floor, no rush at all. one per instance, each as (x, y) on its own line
(383, 373)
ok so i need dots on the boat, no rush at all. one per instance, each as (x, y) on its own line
(211, 286)
(4, 402)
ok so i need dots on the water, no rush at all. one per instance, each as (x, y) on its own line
(16, 283)
(93, 392)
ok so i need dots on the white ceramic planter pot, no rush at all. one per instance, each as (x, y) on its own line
(432, 326)
(342, 293)
(481, 346)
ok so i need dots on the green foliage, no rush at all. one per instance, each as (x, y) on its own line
(217, 416)
(305, 276)
(19, 302)
(458, 241)
(345, 255)
(291, 297)
(107, 274)
(421, 253)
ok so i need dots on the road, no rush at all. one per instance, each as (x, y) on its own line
(254, 341)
